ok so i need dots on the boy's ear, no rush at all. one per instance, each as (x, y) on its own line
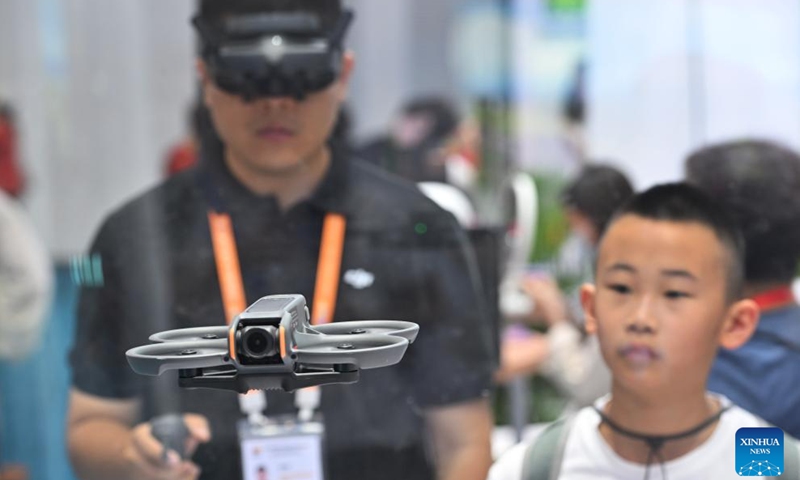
(588, 293)
(740, 322)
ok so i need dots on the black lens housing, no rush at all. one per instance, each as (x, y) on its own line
(259, 342)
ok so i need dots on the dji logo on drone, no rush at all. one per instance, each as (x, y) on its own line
(359, 279)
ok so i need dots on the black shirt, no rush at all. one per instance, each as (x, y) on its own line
(404, 258)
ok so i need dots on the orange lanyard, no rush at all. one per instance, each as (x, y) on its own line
(230, 273)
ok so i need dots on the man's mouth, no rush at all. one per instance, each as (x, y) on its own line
(275, 133)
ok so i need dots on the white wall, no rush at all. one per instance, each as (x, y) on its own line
(102, 87)
(668, 76)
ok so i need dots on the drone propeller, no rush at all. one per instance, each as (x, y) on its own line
(364, 351)
(190, 334)
(157, 358)
(395, 328)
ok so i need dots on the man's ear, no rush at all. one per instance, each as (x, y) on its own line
(202, 74)
(588, 294)
(740, 322)
(202, 70)
(348, 65)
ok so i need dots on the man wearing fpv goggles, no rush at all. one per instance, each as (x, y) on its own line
(274, 75)
(273, 55)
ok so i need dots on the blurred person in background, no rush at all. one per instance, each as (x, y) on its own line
(463, 156)
(413, 147)
(273, 171)
(566, 354)
(589, 201)
(759, 183)
(26, 283)
(12, 178)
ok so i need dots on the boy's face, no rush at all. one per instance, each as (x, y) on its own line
(276, 134)
(659, 305)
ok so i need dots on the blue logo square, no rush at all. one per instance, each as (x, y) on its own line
(759, 452)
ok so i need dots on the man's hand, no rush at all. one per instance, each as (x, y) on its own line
(105, 442)
(522, 357)
(144, 455)
(550, 306)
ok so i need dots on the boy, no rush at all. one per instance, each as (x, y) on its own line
(667, 293)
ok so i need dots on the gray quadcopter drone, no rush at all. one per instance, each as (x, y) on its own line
(272, 346)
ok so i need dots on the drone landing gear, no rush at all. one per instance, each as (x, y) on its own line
(229, 379)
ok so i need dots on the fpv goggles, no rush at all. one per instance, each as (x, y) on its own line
(273, 54)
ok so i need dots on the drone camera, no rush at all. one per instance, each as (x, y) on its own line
(259, 343)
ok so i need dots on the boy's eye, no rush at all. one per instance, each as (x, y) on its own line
(619, 288)
(674, 294)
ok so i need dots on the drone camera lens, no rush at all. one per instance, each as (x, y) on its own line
(260, 342)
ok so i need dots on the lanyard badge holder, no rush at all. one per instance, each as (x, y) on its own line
(283, 446)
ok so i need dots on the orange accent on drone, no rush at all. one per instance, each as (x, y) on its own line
(232, 343)
(283, 341)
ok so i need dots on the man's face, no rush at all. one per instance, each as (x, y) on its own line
(659, 302)
(275, 135)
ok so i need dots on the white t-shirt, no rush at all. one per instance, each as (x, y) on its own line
(589, 457)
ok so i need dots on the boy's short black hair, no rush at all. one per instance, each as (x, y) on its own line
(597, 192)
(759, 183)
(328, 11)
(681, 202)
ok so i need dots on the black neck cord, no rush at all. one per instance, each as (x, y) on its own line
(656, 442)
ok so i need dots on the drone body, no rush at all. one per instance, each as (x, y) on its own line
(272, 346)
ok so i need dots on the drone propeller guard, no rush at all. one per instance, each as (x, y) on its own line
(271, 345)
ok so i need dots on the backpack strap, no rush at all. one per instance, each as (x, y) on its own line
(791, 458)
(544, 455)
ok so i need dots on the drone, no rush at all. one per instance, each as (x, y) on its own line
(272, 346)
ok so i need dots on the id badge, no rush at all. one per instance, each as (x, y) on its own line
(281, 448)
